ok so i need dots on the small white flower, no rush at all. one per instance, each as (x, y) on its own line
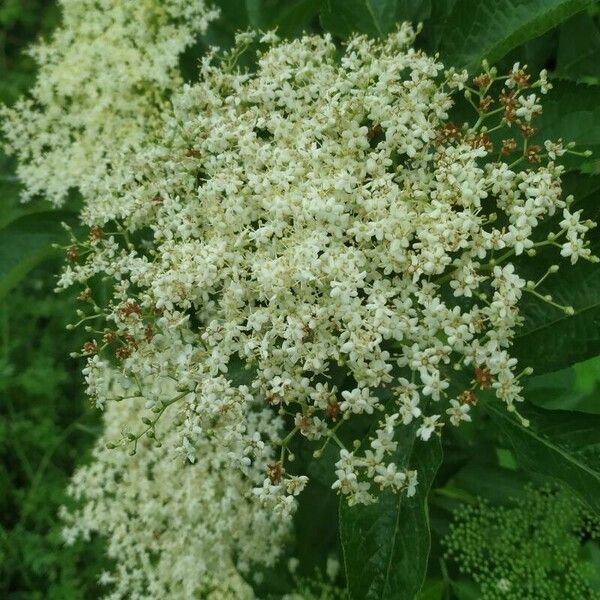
(411, 483)
(574, 248)
(295, 485)
(389, 476)
(428, 426)
(358, 401)
(554, 149)
(458, 412)
(433, 385)
(528, 107)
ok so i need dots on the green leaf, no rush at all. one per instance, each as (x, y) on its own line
(466, 590)
(373, 17)
(551, 339)
(537, 53)
(488, 480)
(587, 377)
(433, 590)
(571, 112)
(10, 189)
(559, 444)
(27, 241)
(289, 18)
(386, 545)
(478, 29)
(578, 56)
(585, 189)
(573, 388)
(221, 33)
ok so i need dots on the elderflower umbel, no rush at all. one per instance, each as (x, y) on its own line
(174, 529)
(318, 240)
(104, 78)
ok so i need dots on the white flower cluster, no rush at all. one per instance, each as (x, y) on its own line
(319, 240)
(104, 78)
(173, 529)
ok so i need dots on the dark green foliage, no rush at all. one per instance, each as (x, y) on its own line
(290, 17)
(386, 544)
(571, 113)
(478, 29)
(46, 428)
(578, 56)
(27, 241)
(555, 444)
(21, 21)
(576, 388)
(373, 17)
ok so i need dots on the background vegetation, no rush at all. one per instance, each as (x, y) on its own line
(46, 427)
